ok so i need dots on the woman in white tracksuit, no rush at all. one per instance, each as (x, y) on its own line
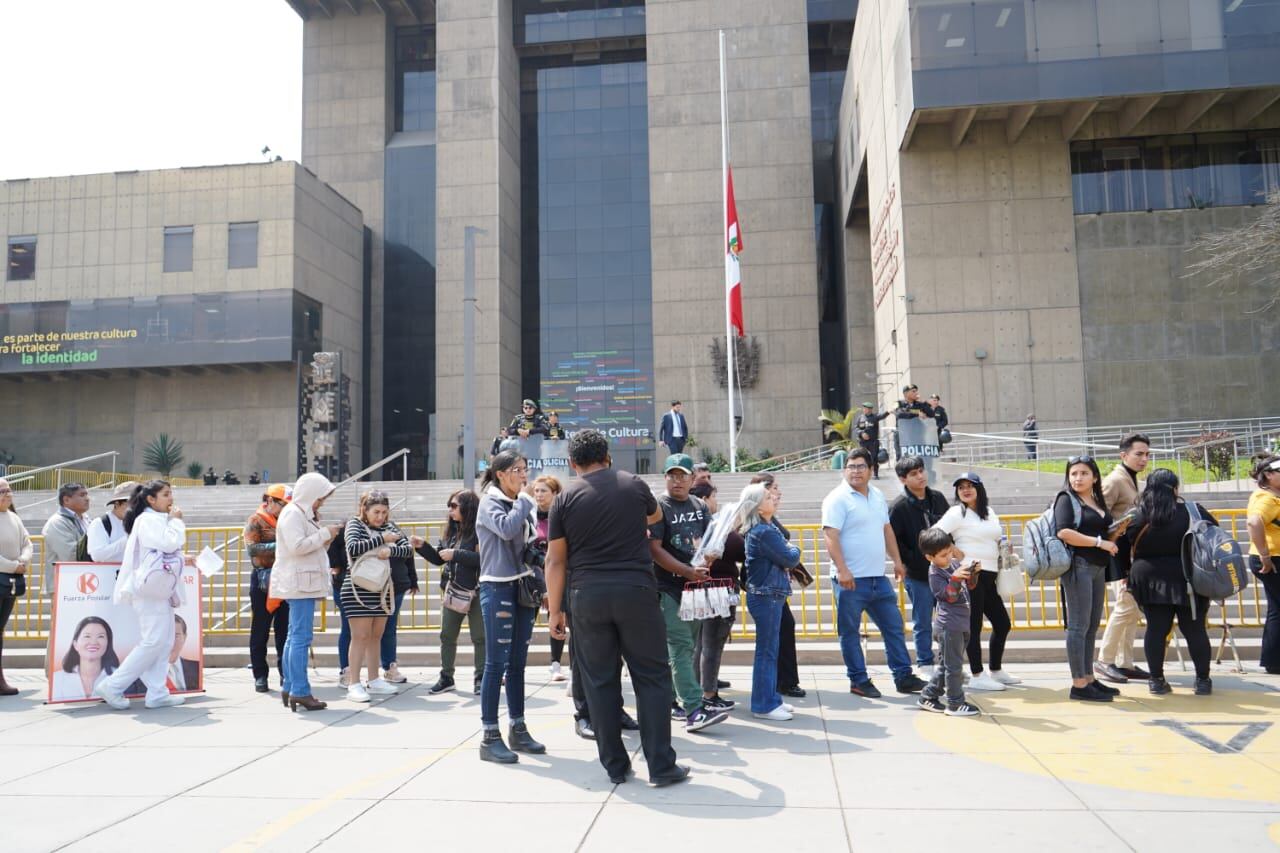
(153, 524)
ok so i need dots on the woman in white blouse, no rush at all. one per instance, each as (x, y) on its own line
(976, 529)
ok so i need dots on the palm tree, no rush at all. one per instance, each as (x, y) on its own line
(163, 454)
(837, 428)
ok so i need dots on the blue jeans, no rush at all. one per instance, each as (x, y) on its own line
(508, 627)
(922, 604)
(875, 597)
(766, 612)
(302, 613)
(344, 628)
(388, 647)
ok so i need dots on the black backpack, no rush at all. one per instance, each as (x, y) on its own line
(1212, 560)
(82, 545)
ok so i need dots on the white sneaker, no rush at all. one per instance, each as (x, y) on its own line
(380, 687)
(790, 709)
(1002, 677)
(557, 673)
(169, 701)
(357, 693)
(779, 714)
(984, 681)
(344, 677)
(115, 700)
(393, 674)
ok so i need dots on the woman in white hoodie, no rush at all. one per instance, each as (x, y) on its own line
(301, 576)
(150, 579)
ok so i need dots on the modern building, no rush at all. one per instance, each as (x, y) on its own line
(1021, 185)
(179, 302)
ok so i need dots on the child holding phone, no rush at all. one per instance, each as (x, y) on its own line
(950, 581)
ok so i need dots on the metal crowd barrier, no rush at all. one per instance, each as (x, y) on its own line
(226, 609)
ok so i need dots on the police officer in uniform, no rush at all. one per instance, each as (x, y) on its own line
(910, 406)
(528, 422)
(939, 414)
(555, 432)
(868, 429)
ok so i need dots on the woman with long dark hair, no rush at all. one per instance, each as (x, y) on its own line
(459, 559)
(369, 530)
(150, 579)
(504, 527)
(1158, 582)
(90, 659)
(1264, 547)
(975, 529)
(15, 559)
(1081, 516)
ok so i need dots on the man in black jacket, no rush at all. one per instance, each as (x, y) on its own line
(529, 422)
(868, 429)
(917, 509)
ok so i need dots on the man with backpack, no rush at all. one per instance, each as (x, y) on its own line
(1121, 491)
(106, 538)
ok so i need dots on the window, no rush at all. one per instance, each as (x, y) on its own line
(22, 259)
(178, 248)
(242, 245)
(416, 79)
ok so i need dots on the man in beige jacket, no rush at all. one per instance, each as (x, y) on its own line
(63, 530)
(1121, 491)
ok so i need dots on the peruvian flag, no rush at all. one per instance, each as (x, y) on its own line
(732, 273)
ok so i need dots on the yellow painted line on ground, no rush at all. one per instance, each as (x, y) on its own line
(279, 827)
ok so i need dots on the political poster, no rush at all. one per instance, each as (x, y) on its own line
(91, 636)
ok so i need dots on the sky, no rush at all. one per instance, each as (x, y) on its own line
(115, 85)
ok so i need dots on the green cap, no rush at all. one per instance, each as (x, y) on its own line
(680, 461)
(867, 405)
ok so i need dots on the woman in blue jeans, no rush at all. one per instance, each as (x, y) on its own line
(301, 576)
(769, 559)
(504, 525)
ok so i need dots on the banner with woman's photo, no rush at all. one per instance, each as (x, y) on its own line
(91, 635)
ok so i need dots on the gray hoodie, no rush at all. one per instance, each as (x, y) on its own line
(503, 527)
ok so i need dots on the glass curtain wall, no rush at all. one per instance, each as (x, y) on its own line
(409, 254)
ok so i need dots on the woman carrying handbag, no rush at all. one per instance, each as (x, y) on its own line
(368, 597)
(15, 560)
(301, 576)
(459, 559)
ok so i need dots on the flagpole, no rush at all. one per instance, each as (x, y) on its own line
(724, 246)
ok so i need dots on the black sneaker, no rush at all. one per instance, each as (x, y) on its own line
(865, 689)
(930, 703)
(260, 684)
(796, 692)
(628, 724)
(443, 685)
(715, 703)
(722, 685)
(1088, 694)
(1204, 686)
(964, 709)
(1105, 688)
(582, 728)
(677, 713)
(1158, 686)
(680, 774)
(702, 718)
(909, 684)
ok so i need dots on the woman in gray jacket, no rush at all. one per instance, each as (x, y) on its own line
(504, 525)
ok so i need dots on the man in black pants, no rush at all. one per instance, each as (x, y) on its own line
(598, 533)
(581, 710)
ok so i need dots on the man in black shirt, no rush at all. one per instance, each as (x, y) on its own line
(917, 508)
(597, 531)
(868, 428)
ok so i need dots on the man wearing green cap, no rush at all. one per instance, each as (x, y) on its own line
(529, 422)
(868, 430)
(673, 541)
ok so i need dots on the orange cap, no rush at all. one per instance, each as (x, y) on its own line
(280, 492)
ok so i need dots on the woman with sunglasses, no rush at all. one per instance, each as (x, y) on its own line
(369, 530)
(1264, 547)
(504, 527)
(459, 559)
(1081, 516)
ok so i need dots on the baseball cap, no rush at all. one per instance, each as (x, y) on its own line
(867, 405)
(280, 492)
(967, 475)
(529, 403)
(122, 492)
(906, 388)
(681, 461)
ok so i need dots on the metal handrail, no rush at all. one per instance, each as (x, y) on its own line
(29, 475)
(402, 453)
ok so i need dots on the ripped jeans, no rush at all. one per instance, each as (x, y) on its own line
(508, 628)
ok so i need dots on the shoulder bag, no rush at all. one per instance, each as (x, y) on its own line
(369, 571)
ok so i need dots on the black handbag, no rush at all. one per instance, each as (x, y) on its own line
(529, 590)
(262, 579)
(13, 584)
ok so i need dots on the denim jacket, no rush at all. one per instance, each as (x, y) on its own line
(768, 559)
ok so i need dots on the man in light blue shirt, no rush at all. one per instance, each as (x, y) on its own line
(855, 526)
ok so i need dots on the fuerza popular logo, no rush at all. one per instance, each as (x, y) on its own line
(87, 584)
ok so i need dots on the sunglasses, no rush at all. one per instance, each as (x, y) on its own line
(377, 495)
(1073, 460)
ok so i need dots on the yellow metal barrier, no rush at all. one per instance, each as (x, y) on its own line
(50, 480)
(227, 611)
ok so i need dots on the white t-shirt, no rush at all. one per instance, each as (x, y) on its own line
(978, 539)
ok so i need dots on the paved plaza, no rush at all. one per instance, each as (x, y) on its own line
(232, 770)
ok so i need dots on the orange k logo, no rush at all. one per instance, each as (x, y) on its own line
(87, 584)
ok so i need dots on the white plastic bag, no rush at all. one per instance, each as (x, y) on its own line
(1009, 578)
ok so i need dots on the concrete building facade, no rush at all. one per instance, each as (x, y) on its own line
(176, 302)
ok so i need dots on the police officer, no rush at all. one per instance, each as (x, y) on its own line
(868, 429)
(939, 414)
(555, 432)
(528, 422)
(911, 406)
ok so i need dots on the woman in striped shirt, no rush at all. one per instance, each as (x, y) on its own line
(370, 530)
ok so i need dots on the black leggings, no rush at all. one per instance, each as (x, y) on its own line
(1160, 624)
(984, 600)
(6, 608)
(557, 649)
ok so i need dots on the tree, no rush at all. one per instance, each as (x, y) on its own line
(163, 454)
(1250, 252)
(195, 470)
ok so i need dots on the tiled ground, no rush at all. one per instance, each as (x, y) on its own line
(232, 770)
